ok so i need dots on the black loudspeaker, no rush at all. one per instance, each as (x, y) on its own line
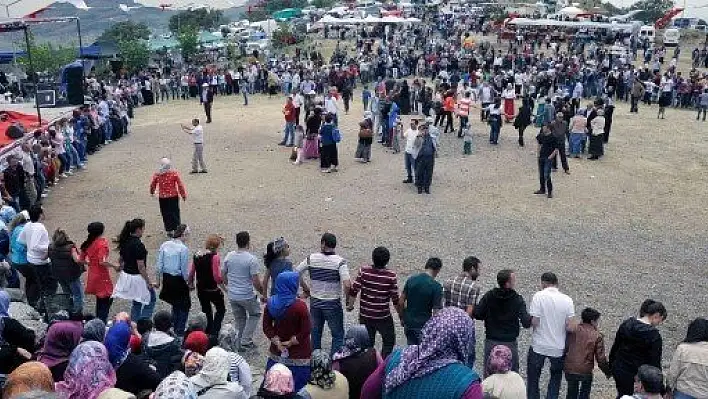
(75, 86)
(46, 98)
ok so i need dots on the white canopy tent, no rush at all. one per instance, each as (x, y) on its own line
(330, 20)
(629, 27)
(571, 11)
(193, 4)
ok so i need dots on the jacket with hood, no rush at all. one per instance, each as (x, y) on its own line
(162, 351)
(502, 310)
(636, 343)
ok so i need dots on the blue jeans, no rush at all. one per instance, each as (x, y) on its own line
(107, 129)
(576, 143)
(244, 90)
(140, 311)
(494, 129)
(544, 175)
(534, 366)
(80, 146)
(334, 317)
(64, 163)
(410, 165)
(179, 320)
(289, 136)
(680, 395)
(73, 156)
(76, 290)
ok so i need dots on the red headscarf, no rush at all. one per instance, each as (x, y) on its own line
(197, 341)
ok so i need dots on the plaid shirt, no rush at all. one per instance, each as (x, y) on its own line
(460, 292)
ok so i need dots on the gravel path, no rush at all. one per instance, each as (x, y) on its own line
(618, 231)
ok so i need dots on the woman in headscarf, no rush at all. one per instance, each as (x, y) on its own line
(595, 144)
(172, 273)
(197, 341)
(325, 383)
(311, 146)
(212, 381)
(366, 137)
(66, 268)
(240, 370)
(17, 343)
(509, 95)
(94, 252)
(404, 98)
(276, 261)
(278, 384)
(175, 386)
(132, 373)
(94, 330)
(503, 383)
(434, 369)
(192, 363)
(357, 359)
(169, 185)
(206, 266)
(31, 376)
(286, 323)
(88, 374)
(62, 337)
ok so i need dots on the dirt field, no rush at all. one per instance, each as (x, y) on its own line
(620, 230)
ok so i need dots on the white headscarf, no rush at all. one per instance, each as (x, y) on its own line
(165, 165)
(215, 369)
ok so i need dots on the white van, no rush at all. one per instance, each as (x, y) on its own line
(671, 37)
(647, 32)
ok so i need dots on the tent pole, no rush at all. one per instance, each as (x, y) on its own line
(34, 75)
(81, 55)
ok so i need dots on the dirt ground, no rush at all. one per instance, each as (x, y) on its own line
(628, 227)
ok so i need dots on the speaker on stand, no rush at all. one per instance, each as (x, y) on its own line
(75, 86)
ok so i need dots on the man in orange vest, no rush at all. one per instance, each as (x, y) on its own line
(463, 112)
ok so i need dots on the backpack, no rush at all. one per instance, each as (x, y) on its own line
(336, 135)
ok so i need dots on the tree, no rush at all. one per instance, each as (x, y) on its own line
(323, 3)
(47, 57)
(127, 30)
(200, 19)
(135, 54)
(653, 9)
(188, 39)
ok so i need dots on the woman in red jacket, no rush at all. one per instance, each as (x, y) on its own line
(170, 188)
(286, 323)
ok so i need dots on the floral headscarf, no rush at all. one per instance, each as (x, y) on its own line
(356, 341)
(175, 386)
(30, 376)
(117, 343)
(279, 380)
(322, 374)
(88, 374)
(193, 362)
(94, 330)
(445, 340)
(499, 360)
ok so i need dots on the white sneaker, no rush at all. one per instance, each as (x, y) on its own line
(69, 173)
(63, 175)
(45, 195)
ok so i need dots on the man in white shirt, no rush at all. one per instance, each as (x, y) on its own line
(410, 151)
(197, 132)
(40, 282)
(551, 316)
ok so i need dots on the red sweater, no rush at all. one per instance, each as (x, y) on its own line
(170, 185)
(295, 322)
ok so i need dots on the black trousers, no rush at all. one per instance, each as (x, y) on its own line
(424, 165)
(103, 307)
(563, 157)
(169, 208)
(609, 111)
(39, 284)
(31, 283)
(329, 156)
(207, 111)
(387, 331)
(634, 101)
(216, 298)
(448, 115)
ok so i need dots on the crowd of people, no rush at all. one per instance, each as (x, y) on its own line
(166, 354)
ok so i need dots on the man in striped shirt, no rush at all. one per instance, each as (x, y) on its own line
(462, 292)
(328, 274)
(378, 287)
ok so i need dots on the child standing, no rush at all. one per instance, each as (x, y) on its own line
(584, 346)
(365, 97)
(299, 142)
(467, 139)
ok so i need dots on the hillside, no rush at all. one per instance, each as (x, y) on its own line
(100, 15)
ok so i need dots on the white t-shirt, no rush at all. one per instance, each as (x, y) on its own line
(410, 136)
(331, 105)
(36, 238)
(198, 134)
(553, 309)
